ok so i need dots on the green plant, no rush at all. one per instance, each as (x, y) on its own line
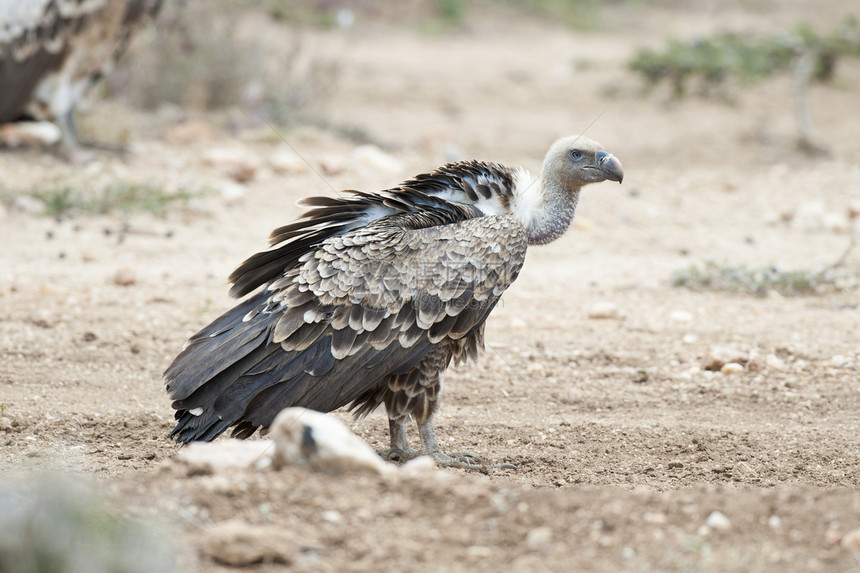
(121, 196)
(710, 62)
(762, 281)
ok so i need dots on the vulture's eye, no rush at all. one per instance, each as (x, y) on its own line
(575, 154)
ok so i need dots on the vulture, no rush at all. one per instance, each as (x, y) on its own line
(368, 297)
(53, 51)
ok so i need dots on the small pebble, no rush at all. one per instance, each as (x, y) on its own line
(774, 362)
(832, 536)
(681, 316)
(124, 277)
(538, 538)
(851, 542)
(604, 310)
(718, 520)
(331, 516)
(628, 553)
(732, 368)
(775, 523)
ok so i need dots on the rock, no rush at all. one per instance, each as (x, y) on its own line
(207, 458)
(422, 465)
(851, 542)
(304, 437)
(854, 209)
(231, 192)
(717, 520)
(124, 277)
(719, 356)
(30, 134)
(775, 523)
(774, 362)
(376, 159)
(832, 536)
(732, 368)
(241, 544)
(604, 310)
(538, 538)
(681, 316)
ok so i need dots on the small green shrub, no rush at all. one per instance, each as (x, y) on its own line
(761, 282)
(119, 197)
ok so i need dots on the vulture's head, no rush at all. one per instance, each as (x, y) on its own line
(574, 161)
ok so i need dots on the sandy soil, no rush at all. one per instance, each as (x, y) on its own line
(624, 445)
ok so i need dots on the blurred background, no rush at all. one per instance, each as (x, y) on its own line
(459, 78)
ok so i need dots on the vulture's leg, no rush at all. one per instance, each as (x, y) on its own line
(430, 446)
(400, 450)
(415, 393)
(464, 460)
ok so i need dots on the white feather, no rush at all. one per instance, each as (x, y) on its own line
(528, 197)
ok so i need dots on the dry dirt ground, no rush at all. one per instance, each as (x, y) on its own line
(624, 445)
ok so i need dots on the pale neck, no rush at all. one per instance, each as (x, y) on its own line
(552, 215)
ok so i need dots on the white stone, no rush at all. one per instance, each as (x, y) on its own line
(538, 538)
(419, 466)
(775, 523)
(851, 541)
(681, 316)
(305, 437)
(774, 362)
(732, 368)
(205, 458)
(718, 520)
(604, 310)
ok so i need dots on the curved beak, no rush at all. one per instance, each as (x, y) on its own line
(610, 166)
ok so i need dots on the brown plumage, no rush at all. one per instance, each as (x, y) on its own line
(368, 298)
(53, 51)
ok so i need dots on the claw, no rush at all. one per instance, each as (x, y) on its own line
(397, 454)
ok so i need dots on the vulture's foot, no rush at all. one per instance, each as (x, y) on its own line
(460, 460)
(398, 454)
